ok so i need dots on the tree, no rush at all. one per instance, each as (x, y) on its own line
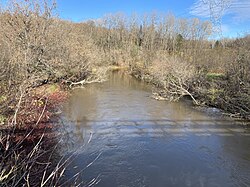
(179, 41)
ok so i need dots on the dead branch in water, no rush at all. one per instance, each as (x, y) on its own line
(99, 76)
(180, 90)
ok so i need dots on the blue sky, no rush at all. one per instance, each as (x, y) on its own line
(84, 9)
(235, 14)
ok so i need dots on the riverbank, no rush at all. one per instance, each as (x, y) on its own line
(29, 131)
(34, 135)
(28, 139)
(138, 141)
(39, 51)
(174, 78)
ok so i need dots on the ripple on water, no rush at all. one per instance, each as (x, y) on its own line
(143, 142)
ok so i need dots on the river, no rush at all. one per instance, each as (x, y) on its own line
(120, 136)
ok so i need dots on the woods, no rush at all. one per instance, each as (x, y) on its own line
(39, 48)
(177, 55)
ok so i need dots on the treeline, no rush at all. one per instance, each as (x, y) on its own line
(175, 54)
(178, 56)
(37, 47)
(124, 37)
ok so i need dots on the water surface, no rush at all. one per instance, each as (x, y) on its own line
(125, 138)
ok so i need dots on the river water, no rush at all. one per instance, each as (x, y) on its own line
(120, 136)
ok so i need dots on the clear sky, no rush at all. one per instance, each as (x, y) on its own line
(235, 14)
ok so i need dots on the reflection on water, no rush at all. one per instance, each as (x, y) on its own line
(143, 142)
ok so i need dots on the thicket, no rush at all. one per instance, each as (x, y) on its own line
(179, 56)
(36, 48)
(175, 54)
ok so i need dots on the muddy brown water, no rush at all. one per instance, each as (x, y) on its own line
(122, 137)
